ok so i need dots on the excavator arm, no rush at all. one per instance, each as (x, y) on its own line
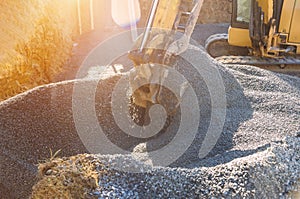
(160, 42)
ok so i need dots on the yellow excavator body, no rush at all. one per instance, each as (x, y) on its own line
(280, 21)
(239, 37)
(166, 14)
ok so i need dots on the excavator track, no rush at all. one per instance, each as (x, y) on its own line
(217, 45)
(287, 65)
(259, 61)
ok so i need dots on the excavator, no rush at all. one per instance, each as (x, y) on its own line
(264, 33)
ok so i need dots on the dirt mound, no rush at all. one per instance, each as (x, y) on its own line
(66, 178)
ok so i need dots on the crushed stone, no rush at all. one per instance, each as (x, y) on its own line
(256, 155)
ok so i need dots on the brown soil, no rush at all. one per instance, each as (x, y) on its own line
(63, 179)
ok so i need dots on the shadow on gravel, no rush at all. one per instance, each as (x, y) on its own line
(30, 125)
(292, 78)
(228, 157)
(238, 111)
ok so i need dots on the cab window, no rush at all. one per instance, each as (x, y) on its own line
(241, 13)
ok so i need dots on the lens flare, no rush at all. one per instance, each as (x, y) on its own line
(125, 13)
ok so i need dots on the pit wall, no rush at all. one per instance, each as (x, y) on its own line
(213, 11)
(35, 42)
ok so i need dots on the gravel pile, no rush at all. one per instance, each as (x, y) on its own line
(268, 174)
(272, 173)
(256, 155)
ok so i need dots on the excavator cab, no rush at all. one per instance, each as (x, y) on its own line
(263, 33)
(238, 33)
(269, 28)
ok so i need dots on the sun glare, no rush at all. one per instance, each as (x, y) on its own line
(125, 13)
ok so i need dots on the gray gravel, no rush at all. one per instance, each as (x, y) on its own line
(256, 156)
(271, 173)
